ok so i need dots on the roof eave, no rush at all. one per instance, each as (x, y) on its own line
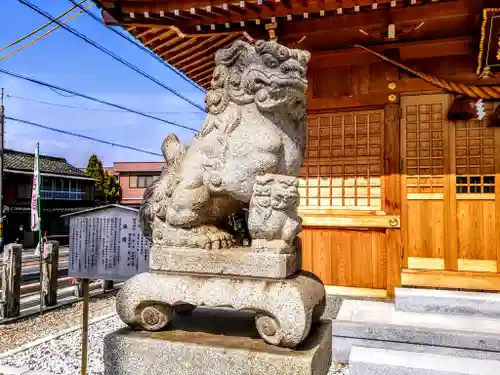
(45, 174)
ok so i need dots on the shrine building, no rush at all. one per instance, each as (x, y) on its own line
(401, 181)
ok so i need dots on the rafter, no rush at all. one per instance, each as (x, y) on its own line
(168, 43)
(161, 36)
(180, 47)
(205, 80)
(197, 47)
(194, 63)
(200, 67)
(203, 72)
(226, 40)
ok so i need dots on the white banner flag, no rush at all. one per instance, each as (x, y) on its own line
(35, 194)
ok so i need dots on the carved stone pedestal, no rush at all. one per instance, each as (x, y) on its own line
(285, 308)
(214, 342)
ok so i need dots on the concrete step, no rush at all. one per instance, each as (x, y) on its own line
(379, 325)
(370, 361)
(448, 302)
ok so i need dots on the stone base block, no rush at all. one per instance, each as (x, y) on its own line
(369, 361)
(285, 308)
(227, 346)
(240, 261)
(379, 324)
(448, 302)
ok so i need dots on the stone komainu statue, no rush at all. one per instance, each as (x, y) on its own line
(243, 163)
(255, 125)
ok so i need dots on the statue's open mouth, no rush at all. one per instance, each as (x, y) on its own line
(257, 79)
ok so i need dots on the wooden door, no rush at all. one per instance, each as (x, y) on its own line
(342, 201)
(449, 192)
(473, 184)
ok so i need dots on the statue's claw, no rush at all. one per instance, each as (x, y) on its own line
(211, 237)
(221, 239)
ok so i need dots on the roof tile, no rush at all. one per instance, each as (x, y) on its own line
(22, 161)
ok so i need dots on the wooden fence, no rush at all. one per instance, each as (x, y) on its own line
(17, 299)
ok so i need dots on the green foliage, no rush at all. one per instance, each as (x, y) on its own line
(107, 186)
(111, 187)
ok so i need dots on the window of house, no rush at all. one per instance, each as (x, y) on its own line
(343, 163)
(47, 183)
(24, 191)
(132, 181)
(141, 181)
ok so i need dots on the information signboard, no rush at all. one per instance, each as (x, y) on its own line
(107, 244)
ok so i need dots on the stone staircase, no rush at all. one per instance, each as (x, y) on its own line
(431, 332)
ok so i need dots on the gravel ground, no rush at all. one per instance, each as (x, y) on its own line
(62, 355)
(15, 334)
(338, 369)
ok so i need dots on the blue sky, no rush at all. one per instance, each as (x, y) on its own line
(67, 61)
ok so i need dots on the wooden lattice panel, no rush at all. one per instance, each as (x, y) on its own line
(424, 148)
(475, 159)
(343, 165)
(356, 134)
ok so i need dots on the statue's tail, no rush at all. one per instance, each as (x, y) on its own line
(157, 194)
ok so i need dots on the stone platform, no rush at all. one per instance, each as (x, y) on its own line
(370, 361)
(478, 304)
(240, 261)
(218, 342)
(379, 325)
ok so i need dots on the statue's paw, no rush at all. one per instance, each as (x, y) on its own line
(212, 237)
(221, 240)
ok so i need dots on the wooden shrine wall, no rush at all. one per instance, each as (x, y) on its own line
(351, 182)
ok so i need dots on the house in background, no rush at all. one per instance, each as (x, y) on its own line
(134, 178)
(64, 188)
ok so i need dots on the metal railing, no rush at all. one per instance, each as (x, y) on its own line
(64, 195)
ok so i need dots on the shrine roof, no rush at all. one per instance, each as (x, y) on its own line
(187, 33)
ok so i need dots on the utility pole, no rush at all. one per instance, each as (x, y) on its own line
(2, 124)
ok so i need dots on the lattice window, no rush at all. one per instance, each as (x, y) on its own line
(424, 148)
(343, 161)
(475, 159)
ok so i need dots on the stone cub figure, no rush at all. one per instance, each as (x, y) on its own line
(273, 217)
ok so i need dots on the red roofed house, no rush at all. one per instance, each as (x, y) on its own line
(134, 178)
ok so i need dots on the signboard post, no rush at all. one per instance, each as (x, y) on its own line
(105, 243)
(85, 326)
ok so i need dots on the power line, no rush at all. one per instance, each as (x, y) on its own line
(44, 34)
(141, 47)
(110, 53)
(58, 93)
(82, 136)
(41, 27)
(12, 74)
(90, 109)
